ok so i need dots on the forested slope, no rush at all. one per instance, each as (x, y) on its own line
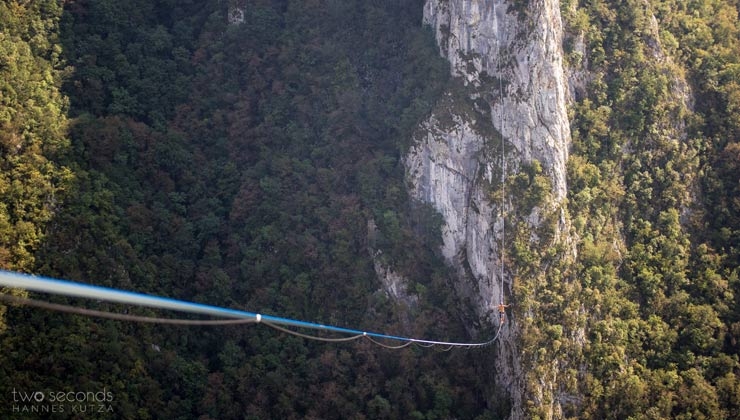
(653, 192)
(153, 146)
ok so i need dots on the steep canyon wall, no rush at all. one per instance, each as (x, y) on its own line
(508, 61)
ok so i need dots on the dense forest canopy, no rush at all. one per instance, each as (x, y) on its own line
(155, 146)
(655, 206)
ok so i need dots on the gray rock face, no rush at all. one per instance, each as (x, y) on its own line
(444, 169)
(509, 57)
(483, 40)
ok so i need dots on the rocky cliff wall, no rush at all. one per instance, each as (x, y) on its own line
(508, 60)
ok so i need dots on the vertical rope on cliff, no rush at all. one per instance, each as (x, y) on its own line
(503, 166)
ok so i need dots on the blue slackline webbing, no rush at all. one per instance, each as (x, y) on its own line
(68, 288)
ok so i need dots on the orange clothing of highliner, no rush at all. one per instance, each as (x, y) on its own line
(502, 312)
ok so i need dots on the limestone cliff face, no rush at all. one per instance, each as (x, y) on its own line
(509, 59)
(484, 39)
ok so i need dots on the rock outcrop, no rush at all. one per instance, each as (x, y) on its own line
(508, 58)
